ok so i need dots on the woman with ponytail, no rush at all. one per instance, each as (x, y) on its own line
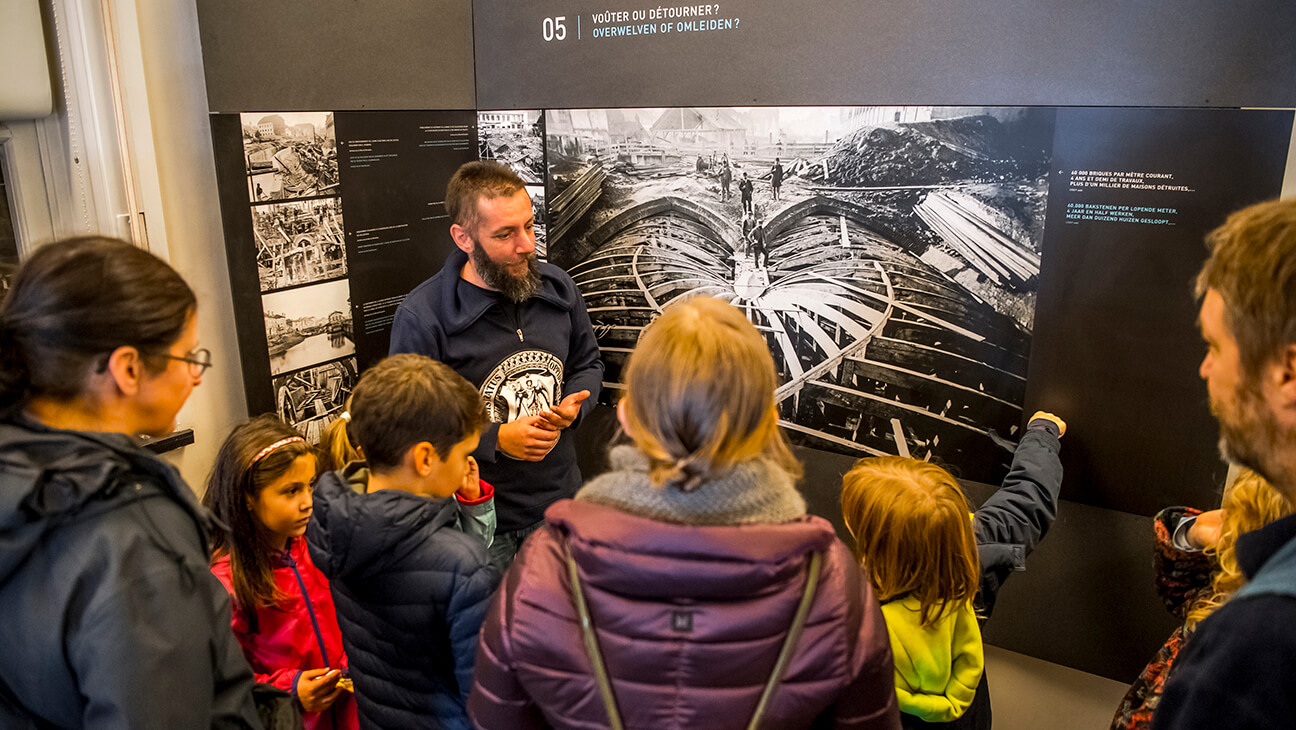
(112, 618)
(688, 588)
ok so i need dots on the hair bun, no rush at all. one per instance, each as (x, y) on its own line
(687, 474)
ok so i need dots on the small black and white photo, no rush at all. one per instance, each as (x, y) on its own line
(537, 193)
(299, 242)
(514, 138)
(308, 325)
(890, 256)
(290, 155)
(311, 399)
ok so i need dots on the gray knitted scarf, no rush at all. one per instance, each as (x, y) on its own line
(750, 493)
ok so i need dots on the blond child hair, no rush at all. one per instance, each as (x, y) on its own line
(336, 449)
(913, 531)
(1249, 503)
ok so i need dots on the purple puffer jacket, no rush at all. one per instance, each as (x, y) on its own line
(690, 620)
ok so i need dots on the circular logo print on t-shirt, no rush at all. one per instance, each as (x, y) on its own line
(525, 383)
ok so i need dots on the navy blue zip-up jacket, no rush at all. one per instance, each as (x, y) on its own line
(1237, 670)
(411, 592)
(523, 358)
(111, 617)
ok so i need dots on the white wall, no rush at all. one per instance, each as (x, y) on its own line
(195, 244)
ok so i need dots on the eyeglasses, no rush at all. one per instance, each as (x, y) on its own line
(199, 360)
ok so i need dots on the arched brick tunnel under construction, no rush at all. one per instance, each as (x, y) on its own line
(877, 352)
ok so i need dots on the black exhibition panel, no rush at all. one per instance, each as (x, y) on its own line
(308, 55)
(318, 269)
(1105, 138)
(589, 53)
(1132, 194)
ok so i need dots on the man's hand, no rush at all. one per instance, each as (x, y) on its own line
(1205, 530)
(562, 415)
(530, 438)
(1050, 417)
(471, 490)
(318, 688)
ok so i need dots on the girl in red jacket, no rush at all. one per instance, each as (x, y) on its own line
(283, 612)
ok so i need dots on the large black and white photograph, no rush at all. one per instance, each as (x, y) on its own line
(290, 155)
(890, 255)
(308, 325)
(310, 399)
(299, 242)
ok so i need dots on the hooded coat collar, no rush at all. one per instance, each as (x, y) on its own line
(462, 303)
(51, 476)
(752, 492)
(636, 556)
(363, 534)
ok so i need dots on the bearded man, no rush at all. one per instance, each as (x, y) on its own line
(1239, 668)
(498, 317)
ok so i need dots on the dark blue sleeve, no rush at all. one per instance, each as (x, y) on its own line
(469, 599)
(411, 334)
(1236, 670)
(1014, 519)
(1024, 508)
(584, 366)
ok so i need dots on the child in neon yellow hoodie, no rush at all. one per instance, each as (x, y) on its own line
(937, 572)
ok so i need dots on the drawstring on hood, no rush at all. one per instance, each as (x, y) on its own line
(49, 477)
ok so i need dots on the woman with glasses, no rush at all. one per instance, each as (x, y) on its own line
(111, 616)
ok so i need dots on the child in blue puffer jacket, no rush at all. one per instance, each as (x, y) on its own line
(402, 538)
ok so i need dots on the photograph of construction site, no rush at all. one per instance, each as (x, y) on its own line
(890, 255)
(290, 155)
(537, 193)
(516, 138)
(308, 325)
(299, 242)
(311, 399)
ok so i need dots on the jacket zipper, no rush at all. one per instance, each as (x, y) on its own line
(517, 320)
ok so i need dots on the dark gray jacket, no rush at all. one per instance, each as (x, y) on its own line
(112, 618)
(1012, 521)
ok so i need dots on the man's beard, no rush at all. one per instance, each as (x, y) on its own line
(498, 277)
(1250, 435)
